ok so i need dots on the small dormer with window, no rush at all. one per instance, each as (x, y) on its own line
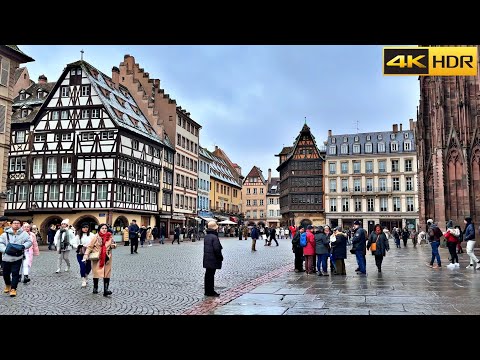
(334, 140)
(41, 94)
(405, 135)
(24, 95)
(345, 139)
(76, 76)
(356, 138)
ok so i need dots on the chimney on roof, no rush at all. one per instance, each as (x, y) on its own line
(411, 124)
(401, 127)
(42, 79)
(216, 147)
(269, 175)
(329, 132)
(116, 76)
(395, 128)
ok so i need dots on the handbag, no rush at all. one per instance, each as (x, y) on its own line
(14, 249)
(94, 256)
(373, 246)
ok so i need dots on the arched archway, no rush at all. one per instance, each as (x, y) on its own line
(45, 226)
(120, 223)
(251, 223)
(261, 223)
(305, 222)
(90, 220)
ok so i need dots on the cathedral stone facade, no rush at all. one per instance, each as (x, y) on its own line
(448, 144)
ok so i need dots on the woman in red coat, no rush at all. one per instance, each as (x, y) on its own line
(309, 250)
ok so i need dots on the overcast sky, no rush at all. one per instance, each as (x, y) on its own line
(252, 100)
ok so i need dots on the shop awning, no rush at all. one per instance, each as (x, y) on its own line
(207, 219)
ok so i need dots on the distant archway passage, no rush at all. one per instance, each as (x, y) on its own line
(45, 226)
(88, 219)
(121, 222)
(251, 223)
(261, 223)
(305, 222)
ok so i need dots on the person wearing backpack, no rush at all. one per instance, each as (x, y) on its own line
(298, 251)
(469, 237)
(434, 235)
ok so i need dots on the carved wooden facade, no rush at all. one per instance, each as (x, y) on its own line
(301, 179)
(448, 141)
(90, 148)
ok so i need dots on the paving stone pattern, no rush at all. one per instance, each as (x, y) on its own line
(406, 286)
(162, 279)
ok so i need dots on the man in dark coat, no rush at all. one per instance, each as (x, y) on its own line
(133, 236)
(212, 257)
(359, 244)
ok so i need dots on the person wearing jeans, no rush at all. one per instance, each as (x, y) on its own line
(434, 234)
(80, 243)
(469, 237)
(63, 241)
(11, 263)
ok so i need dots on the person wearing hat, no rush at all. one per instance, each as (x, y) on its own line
(212, 258)
(359, 245)
(469, 237)
(63, 240)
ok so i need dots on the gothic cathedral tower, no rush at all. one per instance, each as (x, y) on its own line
(448, 144)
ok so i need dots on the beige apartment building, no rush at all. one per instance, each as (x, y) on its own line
(254, 193)
(174, 125)
(372, 177)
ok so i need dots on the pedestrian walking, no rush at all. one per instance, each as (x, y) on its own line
(13, 242)
(378, 245)
(254, 234)
(101, 244)
(452, 235)
(29, 253)
(434, 235)
(469, 237)
(63, 240)
(133, 230)
(80, 244)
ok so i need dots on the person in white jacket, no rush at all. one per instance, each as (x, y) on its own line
(29, 253)
(80, 243)
(63, 244)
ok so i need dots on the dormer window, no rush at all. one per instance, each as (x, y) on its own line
(334, 140)
(405, 135)
(345, 139)
(356, 138)
(379, 137)
(40, 94)
(369, 138)
(22, 96)
(392, 136)
(24, 112)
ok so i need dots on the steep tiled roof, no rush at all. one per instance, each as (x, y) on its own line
(286, 150)
(18, 72)
(32, 102)
(274, 186)
(219, 168)
(373, 138)
(119, 103)
(255, 172)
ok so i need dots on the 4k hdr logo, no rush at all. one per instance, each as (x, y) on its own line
(432, 61)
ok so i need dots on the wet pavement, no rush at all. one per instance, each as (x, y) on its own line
(406, 286)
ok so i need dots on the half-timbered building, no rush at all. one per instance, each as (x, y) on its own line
(301, 181)
(94, 157)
